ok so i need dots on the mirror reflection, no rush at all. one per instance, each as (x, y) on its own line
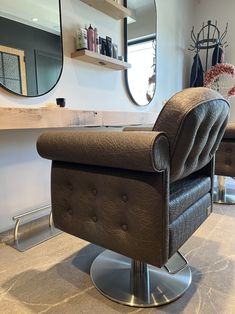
(31, 57)
(140, 50)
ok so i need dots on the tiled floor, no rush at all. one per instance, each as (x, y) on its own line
(54, 276)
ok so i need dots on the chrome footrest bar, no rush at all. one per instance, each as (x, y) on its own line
(176, 263)
(33, 238)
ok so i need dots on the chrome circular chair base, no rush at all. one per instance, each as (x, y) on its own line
(112, 274)
(227, 199)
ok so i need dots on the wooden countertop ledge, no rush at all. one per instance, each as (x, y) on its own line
(38, 118)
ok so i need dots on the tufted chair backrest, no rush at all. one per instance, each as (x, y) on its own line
(194, 121)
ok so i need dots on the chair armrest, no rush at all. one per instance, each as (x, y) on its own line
(142, 151)
(138, 128)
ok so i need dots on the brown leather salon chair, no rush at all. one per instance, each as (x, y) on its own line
(225, 166)
(140, 195)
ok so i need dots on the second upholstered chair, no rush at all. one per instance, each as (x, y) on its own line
(225, 166)
(140, 195)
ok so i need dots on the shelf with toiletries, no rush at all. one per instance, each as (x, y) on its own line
(99, 59)
(99, 50)
(109, 7)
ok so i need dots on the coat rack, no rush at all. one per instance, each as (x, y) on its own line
(209, 37)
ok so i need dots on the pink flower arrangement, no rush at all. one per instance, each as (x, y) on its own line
(216, 71)
(231, 92)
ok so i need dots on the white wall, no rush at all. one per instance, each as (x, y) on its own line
(223, 12)
(24, 176)
(174, 22)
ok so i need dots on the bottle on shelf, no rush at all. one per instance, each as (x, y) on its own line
(90, 38)
(115, 51)
(109, 49)
(81, 39)
(96, 40)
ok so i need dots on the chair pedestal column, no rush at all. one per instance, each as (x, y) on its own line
(221, 195)
(139, 280)
(135, 283)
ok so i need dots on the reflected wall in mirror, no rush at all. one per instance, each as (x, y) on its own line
(140, 50)
(31, 54)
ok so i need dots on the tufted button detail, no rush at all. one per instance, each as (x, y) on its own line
(124, 198)
(94, 218)
(94, 191)
(124, 227)
(70, 212)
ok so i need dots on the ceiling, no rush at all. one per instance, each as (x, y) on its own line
(24, 11)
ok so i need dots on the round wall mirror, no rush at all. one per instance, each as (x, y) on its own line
(140, 50)
(31, 53)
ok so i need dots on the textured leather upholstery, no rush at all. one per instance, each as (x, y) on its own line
(185, 225)
(185, 192)
(114, 208)
(194, 123)
(114, 189)
(225, 161)
(146, 151)
(138, 128)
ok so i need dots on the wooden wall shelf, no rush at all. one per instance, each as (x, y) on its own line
(39, 118)
(100, 60)
(109, 7)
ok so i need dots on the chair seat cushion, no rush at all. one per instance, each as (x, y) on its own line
(187, 223)
(185, 192)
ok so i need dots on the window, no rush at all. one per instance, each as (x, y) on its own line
(12, 69)
(141, 76)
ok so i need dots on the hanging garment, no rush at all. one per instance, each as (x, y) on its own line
(196, 78)
(218, 55)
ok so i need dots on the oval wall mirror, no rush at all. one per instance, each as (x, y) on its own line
(140, 50)
(31, 53)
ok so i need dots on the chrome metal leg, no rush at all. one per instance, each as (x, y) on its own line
(221, 187)
(135, 283)
(16, 229)
(28, 240)
(50, 219)
(221, 193)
